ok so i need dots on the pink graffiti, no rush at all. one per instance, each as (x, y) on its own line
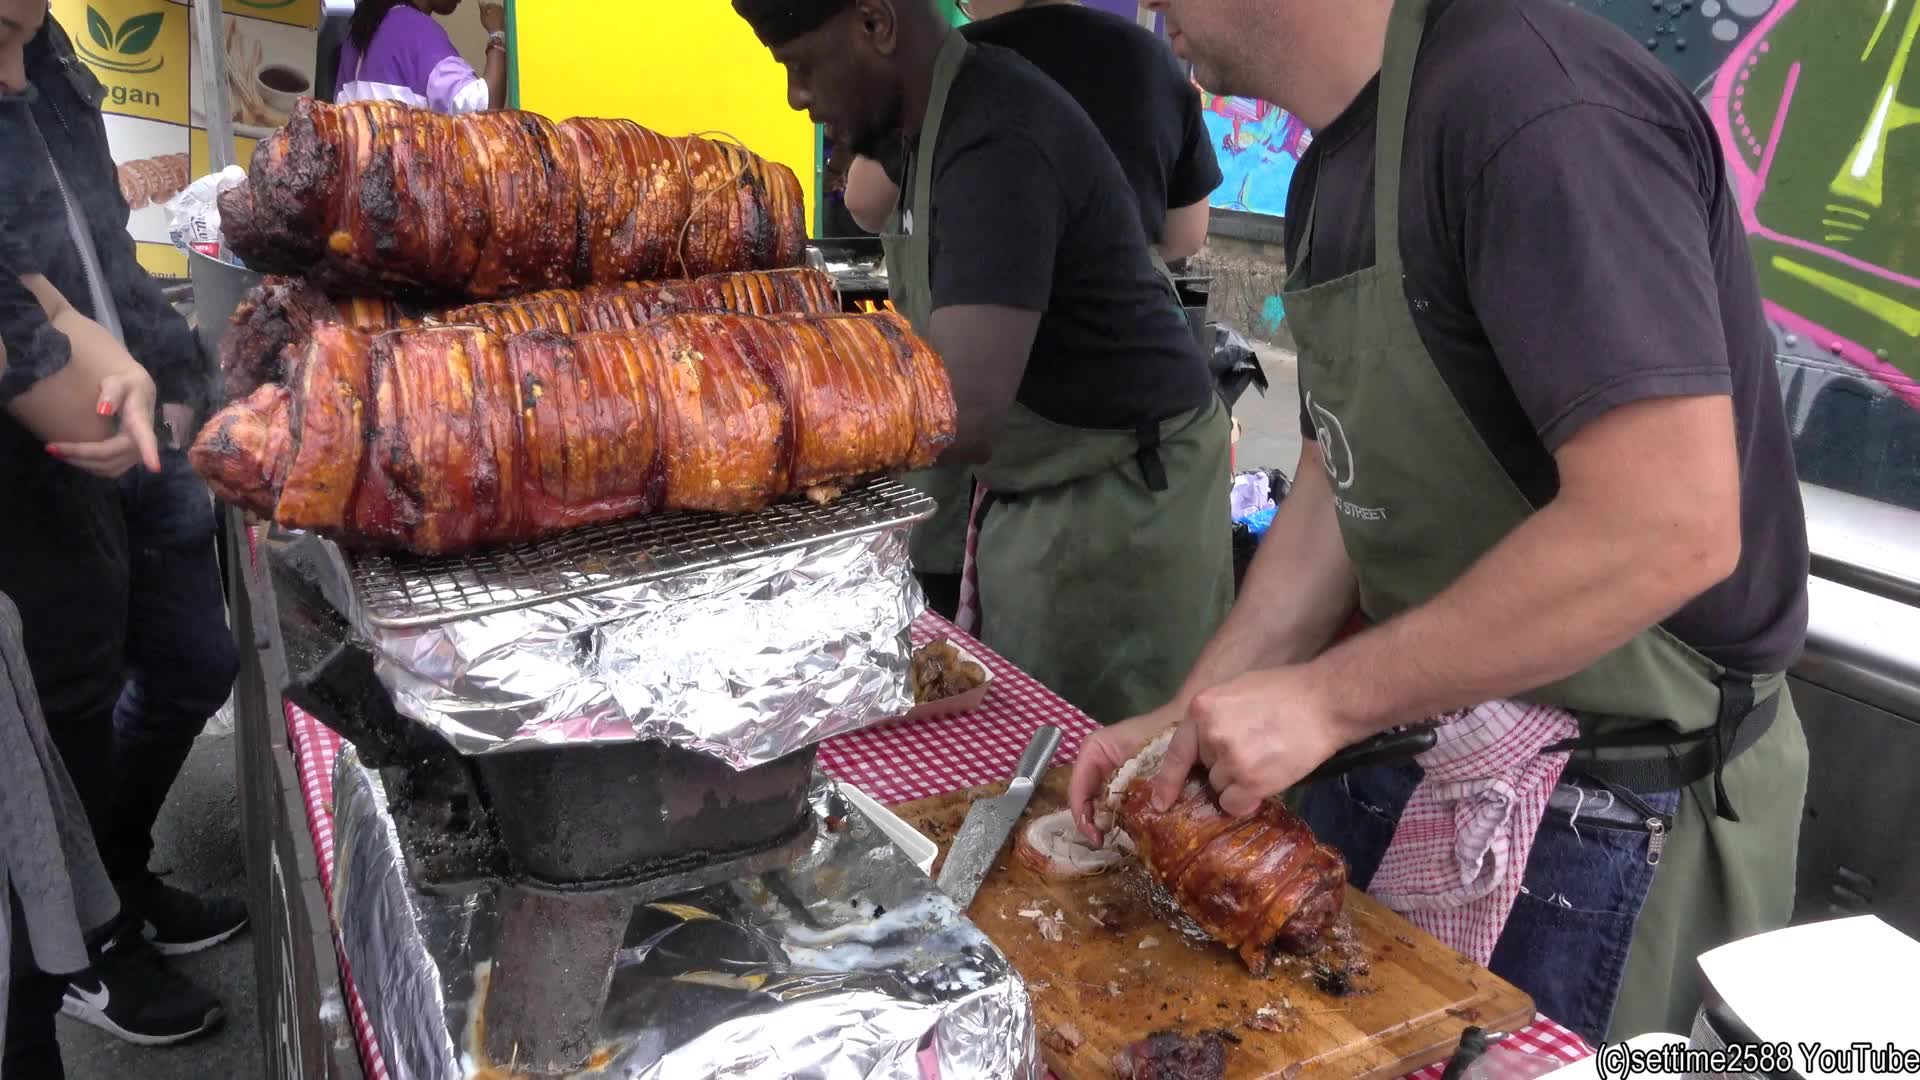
(1751, 183)
(1257, 123)
(1773, 140)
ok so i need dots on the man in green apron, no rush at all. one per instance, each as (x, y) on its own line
(1546, 462)
(1085, 409)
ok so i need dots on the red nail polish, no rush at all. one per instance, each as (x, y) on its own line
(106, 408)
(54, 450)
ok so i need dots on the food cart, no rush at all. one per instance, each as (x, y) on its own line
(602, 811)
(399, 931)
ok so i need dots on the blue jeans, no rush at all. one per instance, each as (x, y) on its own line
(1565, 942)
(180, 656)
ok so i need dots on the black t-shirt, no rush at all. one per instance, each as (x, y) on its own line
(1132, 87)
(1572, 245)
(1031, 211)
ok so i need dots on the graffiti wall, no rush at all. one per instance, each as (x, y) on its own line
(1258, 146)
(1818, 107)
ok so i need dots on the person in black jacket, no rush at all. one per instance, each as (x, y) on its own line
(113, 568)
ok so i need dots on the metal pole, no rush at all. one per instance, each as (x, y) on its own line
(212, 73)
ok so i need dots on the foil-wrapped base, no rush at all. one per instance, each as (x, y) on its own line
(848, 963)
(746, 661)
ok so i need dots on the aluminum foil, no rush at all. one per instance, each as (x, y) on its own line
(850, 963)
(748, 661)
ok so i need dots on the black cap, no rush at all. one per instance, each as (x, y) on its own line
(777, 22)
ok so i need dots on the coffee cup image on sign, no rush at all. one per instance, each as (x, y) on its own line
(280, 86)
(269, 69)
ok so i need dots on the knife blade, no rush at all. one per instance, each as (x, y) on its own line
(990, 821)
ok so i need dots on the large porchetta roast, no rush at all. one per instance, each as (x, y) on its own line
(374, 198)
(491, 328)
(440, 439)
(1256, 884)
(280, 314)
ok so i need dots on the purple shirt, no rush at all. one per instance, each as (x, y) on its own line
(410, 60)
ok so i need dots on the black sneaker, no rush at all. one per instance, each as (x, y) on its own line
(131, 994)
(177, 922)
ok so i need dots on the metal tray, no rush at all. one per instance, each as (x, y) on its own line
(399, 591)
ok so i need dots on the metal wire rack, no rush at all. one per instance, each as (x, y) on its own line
(409, 591)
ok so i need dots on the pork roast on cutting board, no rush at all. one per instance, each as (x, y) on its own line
(1109, 963)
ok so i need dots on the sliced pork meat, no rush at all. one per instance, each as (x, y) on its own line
(1053, 847)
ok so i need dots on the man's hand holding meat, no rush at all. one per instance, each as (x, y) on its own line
(1255, 736)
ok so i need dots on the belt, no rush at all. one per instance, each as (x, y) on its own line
(1691, 756)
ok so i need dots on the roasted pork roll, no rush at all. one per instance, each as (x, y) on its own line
(440, 439)
(381, 199)
(1254, 884)
(282, 313)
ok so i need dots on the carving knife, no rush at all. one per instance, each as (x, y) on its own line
(990, 821)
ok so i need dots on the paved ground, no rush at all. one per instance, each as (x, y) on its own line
(199, 834)
(1270, 425)
(199, 847)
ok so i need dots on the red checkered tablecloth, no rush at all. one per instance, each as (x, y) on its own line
(894, 764)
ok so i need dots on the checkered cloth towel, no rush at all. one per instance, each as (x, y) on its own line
(1457, 857)
(967, 617)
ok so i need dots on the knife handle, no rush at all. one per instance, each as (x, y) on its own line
(1383, 749)
(1039, 753)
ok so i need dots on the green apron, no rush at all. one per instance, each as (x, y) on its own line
(1104, 557)
(1420, 498)
(937, 545)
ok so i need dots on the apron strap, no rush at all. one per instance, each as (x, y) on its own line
(1405, 29)
(1404, 33)
(1152, 469)
(1742, 719)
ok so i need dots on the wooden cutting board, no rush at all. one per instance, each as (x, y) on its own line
(1406, 1010)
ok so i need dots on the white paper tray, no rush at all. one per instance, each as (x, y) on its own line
(904, 836)
(949, 706)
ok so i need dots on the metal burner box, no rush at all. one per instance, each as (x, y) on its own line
(605, 718)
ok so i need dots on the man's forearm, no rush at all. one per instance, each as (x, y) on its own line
(870, 195)
(1559, 592)
(1297, 594)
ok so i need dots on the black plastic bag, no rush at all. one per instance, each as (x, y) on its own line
(1234, 364)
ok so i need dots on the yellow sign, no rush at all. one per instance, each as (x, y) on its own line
(162, 259)
(137, 48)
(291, 12)
(696, 67)
(140, 51)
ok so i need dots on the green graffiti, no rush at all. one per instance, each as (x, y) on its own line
(1862, 176)
(1895, 314)
(1820, 109)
